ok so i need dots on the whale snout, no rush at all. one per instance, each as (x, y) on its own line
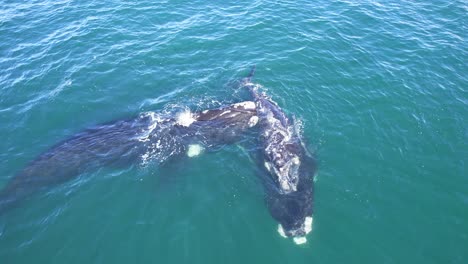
(293, 213)
(298, 232)
(293, 230)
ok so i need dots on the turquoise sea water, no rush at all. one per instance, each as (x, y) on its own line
(380, 86)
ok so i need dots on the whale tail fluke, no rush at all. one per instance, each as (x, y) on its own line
(247, 83)
(248, 79)
(6, 202)
(251, 74)
(12, 195)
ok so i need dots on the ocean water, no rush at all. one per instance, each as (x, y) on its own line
(379, 86)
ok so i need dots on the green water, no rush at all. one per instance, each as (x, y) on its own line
(380, 86)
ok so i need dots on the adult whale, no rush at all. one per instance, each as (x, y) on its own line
(288, 168)
(150, 135)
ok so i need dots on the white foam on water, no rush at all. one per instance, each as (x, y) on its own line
(153, 152)
(185, 118)
(300, 240)
(145, 158)
(154, 120)
(194, 150)
(298, 127)
(281, 231)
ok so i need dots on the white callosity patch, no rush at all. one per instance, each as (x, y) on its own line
(286, 170)
(279, 138)
(194, 150)
(308, 224)
(288, 174)
(248, 105)
(285, 185)
(225, 112)
(296, 160)
(253, 121)
(281, 231)
(300, 240)
(307, 227)
(185, 118)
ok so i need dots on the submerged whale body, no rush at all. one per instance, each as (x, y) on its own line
(288, 167)
(149, 136)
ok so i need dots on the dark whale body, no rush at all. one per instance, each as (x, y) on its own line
(288, 167)
(149, 136)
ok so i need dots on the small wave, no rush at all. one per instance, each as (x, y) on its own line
(43, 97)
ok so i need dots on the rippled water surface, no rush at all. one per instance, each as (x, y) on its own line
(380, 86)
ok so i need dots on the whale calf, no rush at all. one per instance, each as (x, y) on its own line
(288, 165)
(149, 136)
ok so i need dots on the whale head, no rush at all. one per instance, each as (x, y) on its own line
(293, 210)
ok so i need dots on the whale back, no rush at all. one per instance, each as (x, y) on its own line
(149, 137)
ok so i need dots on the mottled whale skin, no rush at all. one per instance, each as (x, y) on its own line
(288, 165)
(120, 143)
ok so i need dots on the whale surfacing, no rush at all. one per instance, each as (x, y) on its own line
(149, 136)
(288, 165)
